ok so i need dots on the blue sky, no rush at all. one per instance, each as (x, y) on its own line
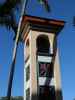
(61, 10)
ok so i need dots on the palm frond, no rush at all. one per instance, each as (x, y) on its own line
(7, 17)
(7, 7)
(74, 21)
(46, 4)
(8, 22)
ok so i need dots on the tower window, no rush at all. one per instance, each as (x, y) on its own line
(27, 42)
(27, 49)
(27, 73)
(43, 45)
(28, 94)
(45, 69)
(46, 93)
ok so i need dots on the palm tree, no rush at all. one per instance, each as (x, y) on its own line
(7, 18)
(15, 53)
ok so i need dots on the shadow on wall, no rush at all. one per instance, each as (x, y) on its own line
(58, 96)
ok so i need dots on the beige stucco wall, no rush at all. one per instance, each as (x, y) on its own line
(57, 77)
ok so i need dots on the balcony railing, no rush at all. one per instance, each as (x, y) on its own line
(44, 54)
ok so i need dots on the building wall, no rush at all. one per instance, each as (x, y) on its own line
(33, 64)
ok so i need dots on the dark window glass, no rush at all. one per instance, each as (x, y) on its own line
(28, 94)
(27, 42)
(46, 93)
(27, 73)
(43, 45)
(45, 69)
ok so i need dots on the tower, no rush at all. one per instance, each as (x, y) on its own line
(41, 70)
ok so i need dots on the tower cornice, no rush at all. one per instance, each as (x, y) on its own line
(40, 24)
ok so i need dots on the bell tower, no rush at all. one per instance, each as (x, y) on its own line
(41, 70)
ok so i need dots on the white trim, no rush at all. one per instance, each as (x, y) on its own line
(42, 81)
(44, 59)
(27, 63)
(27, 84)
(30, 65)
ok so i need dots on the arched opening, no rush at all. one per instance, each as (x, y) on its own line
(45, 67)
(27, 48)
(43, 45)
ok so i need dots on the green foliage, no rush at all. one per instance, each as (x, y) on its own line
(12, 98)
(9, 22)
(46, 5)
(7, 9)
(7, 16)
(8, 6)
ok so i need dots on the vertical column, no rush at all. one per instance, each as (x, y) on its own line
(27, 68)
(57, 78)
(33, 68)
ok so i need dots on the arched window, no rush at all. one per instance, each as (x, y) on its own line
(27, 48)
(43, 45)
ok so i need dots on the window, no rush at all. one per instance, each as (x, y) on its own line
(28, 94)
(45, 69)
(27, 42)
(46, 93)
(27, 49)
(43, 45)
(27, 73)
